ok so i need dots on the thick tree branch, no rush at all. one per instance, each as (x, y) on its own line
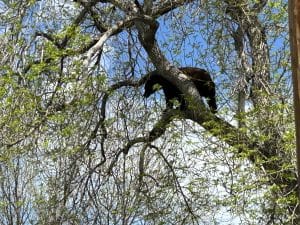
(168, 6)
(104, 37)
(116, 29)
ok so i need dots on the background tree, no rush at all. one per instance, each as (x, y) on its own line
(80, 145)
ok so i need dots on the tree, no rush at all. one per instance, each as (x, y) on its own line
(91, 150)
(294, 26)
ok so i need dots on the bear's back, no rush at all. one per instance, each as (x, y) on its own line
(196, 73)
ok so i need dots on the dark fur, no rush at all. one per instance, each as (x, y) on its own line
(201, 79)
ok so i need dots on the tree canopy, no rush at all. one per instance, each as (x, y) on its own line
(80, 144)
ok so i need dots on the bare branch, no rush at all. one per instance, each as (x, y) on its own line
(176, 181)
(156, 132)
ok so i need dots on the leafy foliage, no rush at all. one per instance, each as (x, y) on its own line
(80, 145)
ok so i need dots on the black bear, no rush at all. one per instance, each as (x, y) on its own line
(201, 79)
